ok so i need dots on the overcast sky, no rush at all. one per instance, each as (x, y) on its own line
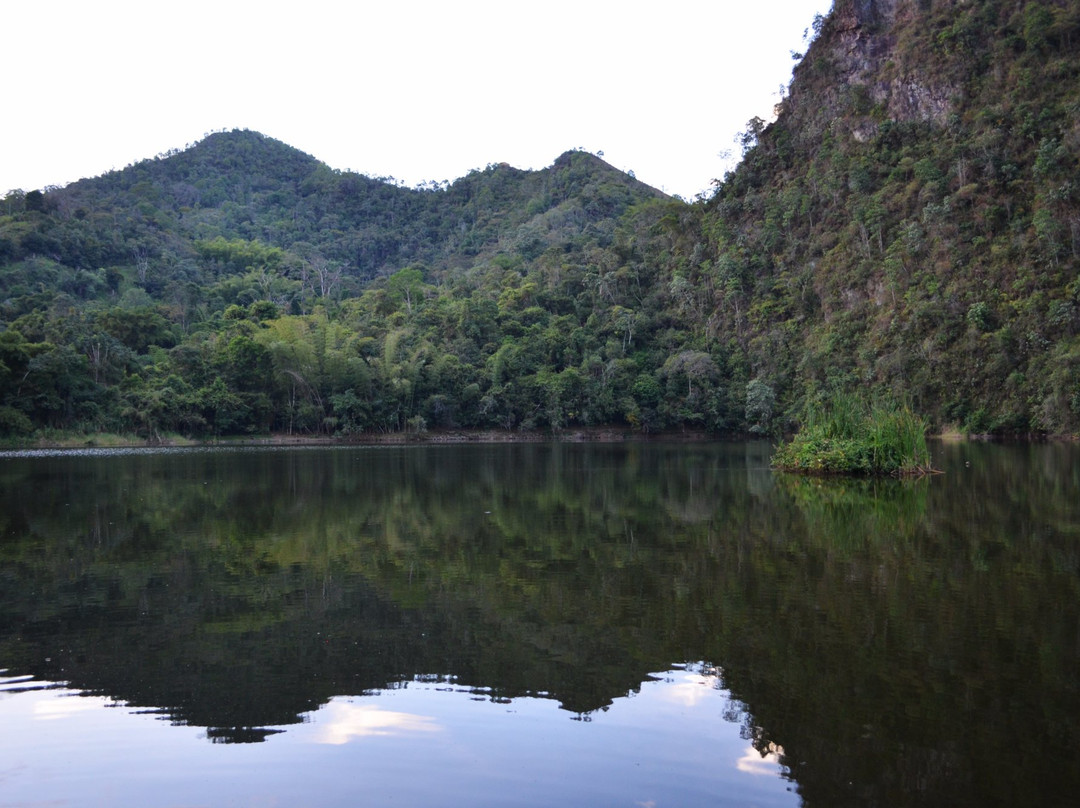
(414, 90)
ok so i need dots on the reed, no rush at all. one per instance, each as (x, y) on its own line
(847, 435)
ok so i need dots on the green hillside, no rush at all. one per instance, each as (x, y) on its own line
(911, 223)
(908, 227)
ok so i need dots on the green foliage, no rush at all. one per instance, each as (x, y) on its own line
(760, 402)
(239, 255)
(914, 241)
(291, 297)
(845, 435)
(909, 227)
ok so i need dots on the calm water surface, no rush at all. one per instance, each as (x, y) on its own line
(566, 624)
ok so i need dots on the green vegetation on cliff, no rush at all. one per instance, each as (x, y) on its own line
(910, 224)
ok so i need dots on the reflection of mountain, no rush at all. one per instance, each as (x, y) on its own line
(241, 589)
(900, 642)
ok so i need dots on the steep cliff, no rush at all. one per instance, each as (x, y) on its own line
(911, 221)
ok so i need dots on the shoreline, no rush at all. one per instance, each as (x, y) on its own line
(441, 437)
(426, 438)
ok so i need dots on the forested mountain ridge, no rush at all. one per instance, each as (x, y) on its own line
(279, 287)
(909, 226)
(243, 185)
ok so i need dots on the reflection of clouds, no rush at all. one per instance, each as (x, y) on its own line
(52, 709)
(690, 688)
(753, 762)
(341, 722)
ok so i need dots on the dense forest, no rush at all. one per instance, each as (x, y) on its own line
(908, 226)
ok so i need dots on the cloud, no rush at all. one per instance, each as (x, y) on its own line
(753, 762)
(341, 722)
(692, 688)
(55, 708)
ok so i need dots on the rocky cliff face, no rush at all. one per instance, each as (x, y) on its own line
(911, 221)
(855, 62)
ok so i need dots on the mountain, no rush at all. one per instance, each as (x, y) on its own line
(127, 297)
(243, 185)
(908, 227)
(911, 221)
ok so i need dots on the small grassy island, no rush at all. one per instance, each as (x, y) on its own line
(847, 435)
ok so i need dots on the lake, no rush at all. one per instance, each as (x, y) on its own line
(639, 624)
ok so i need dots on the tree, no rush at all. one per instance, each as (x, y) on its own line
(224, 412)
(760, 402)
(320, 276)
(406, 287)
(34, 201)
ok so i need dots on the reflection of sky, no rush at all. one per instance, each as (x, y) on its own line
(343, 721)
(689, 688)
(421, 743)
(65, 704)
(753, 762)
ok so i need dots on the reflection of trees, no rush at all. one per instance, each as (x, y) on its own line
(525, 568)
(930, 657)
(905, 638)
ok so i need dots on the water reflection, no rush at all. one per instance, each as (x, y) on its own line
(887, 642)
(421, 742)
(343, 721)
(764, 763)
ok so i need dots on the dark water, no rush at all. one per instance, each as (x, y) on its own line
(638, 625)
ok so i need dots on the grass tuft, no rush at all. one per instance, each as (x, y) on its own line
(846, 435)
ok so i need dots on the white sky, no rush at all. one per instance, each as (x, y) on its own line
(415, 90)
